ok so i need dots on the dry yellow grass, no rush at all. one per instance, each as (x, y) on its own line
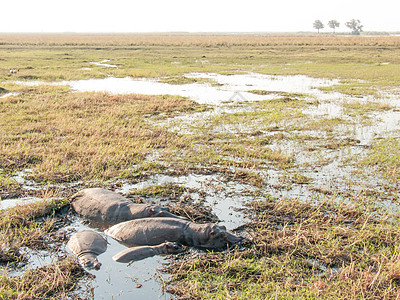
(199, 39)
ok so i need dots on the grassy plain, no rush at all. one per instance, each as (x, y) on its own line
(65, 57)
(348, 244)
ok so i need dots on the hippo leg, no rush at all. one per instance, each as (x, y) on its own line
(138, 253)
(134, 254)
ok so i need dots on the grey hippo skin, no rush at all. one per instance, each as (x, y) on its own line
(142, 252)
(86, 245)
(154, 231)
(104, 206)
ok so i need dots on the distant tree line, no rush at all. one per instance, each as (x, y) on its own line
(354, 25)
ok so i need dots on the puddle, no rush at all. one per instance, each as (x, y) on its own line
(387, 123)
(103, 63)
(20, 177)
(232, 87)
(8, 95)
(325, 109)
(10, 203)
(315, 264)
(255, 81)
(225, 199)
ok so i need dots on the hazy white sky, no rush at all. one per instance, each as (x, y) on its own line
(193, 16)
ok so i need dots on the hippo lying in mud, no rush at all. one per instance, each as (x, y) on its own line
(104, 206)
(138, 253)
(153, 231)
(86, 245)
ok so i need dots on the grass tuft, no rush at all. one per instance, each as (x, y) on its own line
(29, 226)
(55, 281)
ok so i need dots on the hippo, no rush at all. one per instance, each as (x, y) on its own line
(86, 245)
(142, 252)
(153, 231)
(107, 207)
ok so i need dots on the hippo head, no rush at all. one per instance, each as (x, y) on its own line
(216, 237)
(156, 211)
(89, 260)
(232, 239)
(172, 247)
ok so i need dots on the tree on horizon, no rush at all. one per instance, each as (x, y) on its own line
(355, 26)
(318, 25)
(333, 24)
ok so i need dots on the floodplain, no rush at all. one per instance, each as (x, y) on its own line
(291, 141)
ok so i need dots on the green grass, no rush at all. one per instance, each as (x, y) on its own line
(187, 80)
(283, 94)
(264, 114)
(353, 89)
(356, 108)
(170, 190)
(8, 184)
(326, 124)
(385, 157)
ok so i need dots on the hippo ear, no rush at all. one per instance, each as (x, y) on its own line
(215, 233)
(218, 234)
(151, 210)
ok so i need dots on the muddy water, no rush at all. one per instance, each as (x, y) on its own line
(140, 280)
(225, 198)
(10, 203)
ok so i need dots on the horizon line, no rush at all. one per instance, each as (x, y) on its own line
(198, 32)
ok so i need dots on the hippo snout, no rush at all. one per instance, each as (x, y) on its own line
(90, 262)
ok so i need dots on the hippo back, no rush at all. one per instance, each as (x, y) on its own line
(149, 231)
(87, 241)
(102, 205)
(153, 231)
